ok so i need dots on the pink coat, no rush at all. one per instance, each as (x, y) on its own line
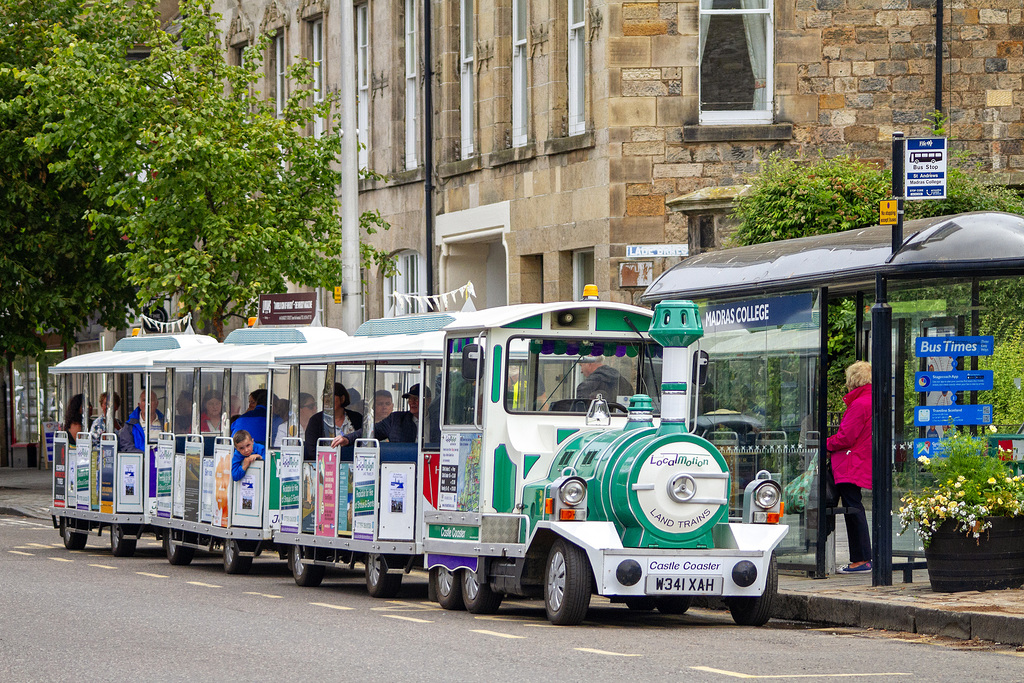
(851, 445)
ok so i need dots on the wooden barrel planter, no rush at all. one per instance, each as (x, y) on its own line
(960, 562)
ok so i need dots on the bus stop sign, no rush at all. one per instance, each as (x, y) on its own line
(925, 165)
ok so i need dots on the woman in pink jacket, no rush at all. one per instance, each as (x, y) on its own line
(850, 449)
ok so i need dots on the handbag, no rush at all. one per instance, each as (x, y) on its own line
(831, 492)
(796, 493)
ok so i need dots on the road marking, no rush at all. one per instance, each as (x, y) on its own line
(736, 674)
(102, 566)
(155, 576)
(418, 621)
(495, 633)
(605, 652)
(265, 595)
(489, 617)
(37, 545)
(204, 585)
(61, 559)
(18, 552)
(329, 605)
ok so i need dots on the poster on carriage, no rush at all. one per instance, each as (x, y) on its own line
(364, 486)
(164, 475)
(326, 491)
(289, 469)
(459, 488)
(60, 460)
(222, 453)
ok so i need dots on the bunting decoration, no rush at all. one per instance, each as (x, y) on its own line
(179, 326)
(437, 302)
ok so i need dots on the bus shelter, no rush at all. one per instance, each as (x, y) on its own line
(772, 377)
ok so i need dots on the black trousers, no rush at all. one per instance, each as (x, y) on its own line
(856, 522)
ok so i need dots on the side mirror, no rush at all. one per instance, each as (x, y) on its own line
(701, 362)
(472, 356)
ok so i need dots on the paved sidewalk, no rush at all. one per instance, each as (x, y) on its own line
(842, 600)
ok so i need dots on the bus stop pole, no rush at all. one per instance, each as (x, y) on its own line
(881, 394)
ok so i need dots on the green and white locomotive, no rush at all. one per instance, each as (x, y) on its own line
(547, 486)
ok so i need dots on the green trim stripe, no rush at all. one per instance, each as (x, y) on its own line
(673, 386)
(503, 491)
(496, 375)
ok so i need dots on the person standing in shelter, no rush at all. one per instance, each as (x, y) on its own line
(601, 379)
(246, 453)
(143, 425)
(401, 426)
(850, 451)
(345, 421)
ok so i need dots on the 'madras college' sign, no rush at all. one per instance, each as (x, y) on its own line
(772, 312)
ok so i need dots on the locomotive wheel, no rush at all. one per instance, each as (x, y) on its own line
(448, 587)
(379, 583)
(756, 611)
(567, 588)
(674, 604)
(641, 604)
(73, 540)
(306, 574)
(234, 561)
(177, 554)
(119, 545)
(479, 598)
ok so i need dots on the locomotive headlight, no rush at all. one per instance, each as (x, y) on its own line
(572, 492)
(767, 495)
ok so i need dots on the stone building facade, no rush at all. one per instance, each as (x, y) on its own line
(566, 131)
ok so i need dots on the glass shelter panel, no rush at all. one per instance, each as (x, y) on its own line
(760, 400)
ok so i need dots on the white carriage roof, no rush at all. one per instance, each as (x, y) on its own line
(283, 335)
(511, 316)
(427, 345)
(136, 356)
(239, 358)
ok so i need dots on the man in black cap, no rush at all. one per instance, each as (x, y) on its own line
(401, 426)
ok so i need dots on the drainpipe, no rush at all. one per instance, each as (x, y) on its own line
(938, 55)
(428, 143)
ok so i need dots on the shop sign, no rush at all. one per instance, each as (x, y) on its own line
(287, 309)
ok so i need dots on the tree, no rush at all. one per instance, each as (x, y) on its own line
(54, 266)
(216, 197)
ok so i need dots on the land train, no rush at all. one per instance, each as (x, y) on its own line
(547, 454)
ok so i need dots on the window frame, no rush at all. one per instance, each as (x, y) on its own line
(363, 83)
(744, 117)
(520, 73)
(576, 60)
(411, 89)
(316, 49)
(279, 74)
(579, 275)
(466, 78)
(410, 278)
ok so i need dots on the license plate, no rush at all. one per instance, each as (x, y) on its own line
(684, 585)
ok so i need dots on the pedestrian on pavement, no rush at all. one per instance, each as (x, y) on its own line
(850, 452)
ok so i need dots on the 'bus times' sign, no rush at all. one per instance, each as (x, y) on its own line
(954, 346)
(925, 165)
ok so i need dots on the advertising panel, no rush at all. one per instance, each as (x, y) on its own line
(460, 471)
(308, 497)
(222, 453)
(193, 472)
(84, 472)
(60, 462)
(326, 491)
(107, 451)
(129, 483)
(207, 485)
(289, 470)
(364, 488)
(247, 505)
(178, 492)
(345, 496)
(164, 462)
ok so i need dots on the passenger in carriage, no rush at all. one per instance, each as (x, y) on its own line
(99, 425)
(73, 418)
(138, 430)
(246, 453)
(183, 413)
(213, 406)
(401, 426)
(345, 421)
(383, 404)
(254, 420)
(307, 408)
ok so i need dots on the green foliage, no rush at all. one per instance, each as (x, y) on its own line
(799, 197)
(938, 122)
(216, 198)
(969, 487)
(1006, 364)
(842, 349)
(54, 267)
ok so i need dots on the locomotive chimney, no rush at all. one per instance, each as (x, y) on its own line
(676, 325)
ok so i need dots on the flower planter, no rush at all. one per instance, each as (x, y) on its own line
(960, 562)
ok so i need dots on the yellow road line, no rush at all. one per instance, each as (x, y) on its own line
(36, 545)
(605, 652)
(204, 585)
(490, 617)
(265, 595)
(61, 559)
(155, 576)
(18, 552)
(102, 566)
(495, 633)
(418, 621)
(329, 605)
(736, 674)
